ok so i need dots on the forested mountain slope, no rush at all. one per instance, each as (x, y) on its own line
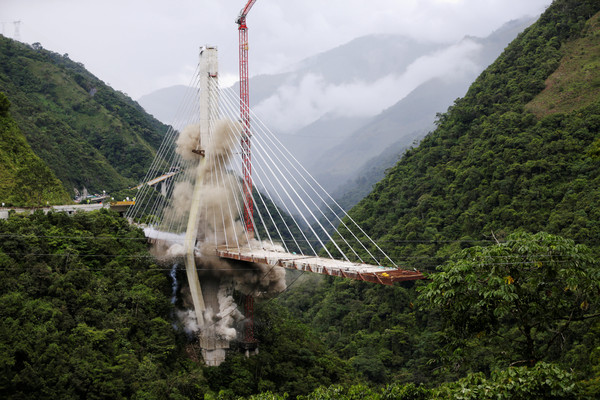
(493, 166)
(408, 120)
(86, 314)
(88, 134)
(25, 179)
(78, 319)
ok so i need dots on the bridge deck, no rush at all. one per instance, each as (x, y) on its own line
(159, 179)
(326, 266)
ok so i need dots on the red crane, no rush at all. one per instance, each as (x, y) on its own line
(245, 116)
(250, 342)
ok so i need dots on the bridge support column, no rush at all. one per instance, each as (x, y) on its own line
(208, 104)
(190, 248)
(249, 344)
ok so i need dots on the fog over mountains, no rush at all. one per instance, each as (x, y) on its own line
(348, 113)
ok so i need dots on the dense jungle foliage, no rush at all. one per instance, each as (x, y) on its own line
(87, 133)
(86, 314)
(25, 179)
(544, 381)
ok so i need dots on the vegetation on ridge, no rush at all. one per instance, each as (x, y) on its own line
(88, 134)
(491, 166)
(86, 314)
(25, 179)
(576, 81)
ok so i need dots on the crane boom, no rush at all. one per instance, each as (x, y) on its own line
(241, 19)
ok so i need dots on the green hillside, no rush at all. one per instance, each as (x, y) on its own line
(25, 179)
(88, 134)
(576, 81)
(512, 158)
(492, 166)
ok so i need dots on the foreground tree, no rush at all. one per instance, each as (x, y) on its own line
(85, 313)
(519, 297)
(543, 381)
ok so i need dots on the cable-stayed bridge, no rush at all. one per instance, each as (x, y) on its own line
(237, 194)
(291, 211)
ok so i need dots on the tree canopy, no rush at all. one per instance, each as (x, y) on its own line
(523, 294)
(25, 179)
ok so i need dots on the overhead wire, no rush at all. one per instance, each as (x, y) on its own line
(240, 134)
(226, 181)
(285, 180)
(274, 149)
(277, 171)
(259, 155)
(281, 218)
(306, 207)
(231, 147)
(171, 157)
(265, 207)
(190, 102)
(304, 173)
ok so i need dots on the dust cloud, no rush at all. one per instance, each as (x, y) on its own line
(219, 223)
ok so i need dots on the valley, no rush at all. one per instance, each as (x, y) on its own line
(494, 200)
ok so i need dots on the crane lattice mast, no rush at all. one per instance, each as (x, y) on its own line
(249, 339)
(245, 116)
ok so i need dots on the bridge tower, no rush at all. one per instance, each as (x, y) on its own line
(204, 295)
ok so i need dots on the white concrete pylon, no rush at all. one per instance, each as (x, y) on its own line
(208, 99)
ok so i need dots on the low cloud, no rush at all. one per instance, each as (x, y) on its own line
(309, 97)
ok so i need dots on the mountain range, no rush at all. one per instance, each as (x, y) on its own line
(340, 112)
(517, 152)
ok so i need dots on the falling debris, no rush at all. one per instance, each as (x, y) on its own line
(218, 278)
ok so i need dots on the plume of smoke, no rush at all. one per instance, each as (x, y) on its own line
(181, 200)
(219, 318)
(219, 223)
(166, 247)
(261, 280)
(227, 316)
(188, 320)
(219, 147)
(219, 218)
(188, 140)
(218, 210)
(258, 280)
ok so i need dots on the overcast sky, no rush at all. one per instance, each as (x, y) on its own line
(138, 46)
